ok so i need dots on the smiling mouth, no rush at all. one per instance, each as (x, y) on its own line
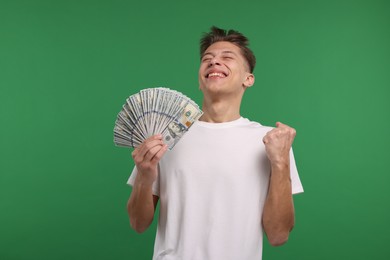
(216, 75)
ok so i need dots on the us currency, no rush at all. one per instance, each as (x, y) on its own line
(154, 111)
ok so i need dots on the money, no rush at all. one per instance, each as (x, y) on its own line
(155, 111)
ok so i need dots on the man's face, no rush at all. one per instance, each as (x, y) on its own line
(224, 70)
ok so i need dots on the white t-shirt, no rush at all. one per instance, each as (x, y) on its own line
(212, 187)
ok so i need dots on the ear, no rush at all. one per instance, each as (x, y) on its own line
(249, 80)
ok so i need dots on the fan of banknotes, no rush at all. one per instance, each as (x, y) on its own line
(155, 111)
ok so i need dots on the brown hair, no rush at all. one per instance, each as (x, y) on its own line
(216, 35)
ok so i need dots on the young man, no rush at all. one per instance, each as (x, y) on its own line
(227, 179)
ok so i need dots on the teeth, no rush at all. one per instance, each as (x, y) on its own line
(216, 74)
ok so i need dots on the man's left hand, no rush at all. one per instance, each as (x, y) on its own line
(278, 143)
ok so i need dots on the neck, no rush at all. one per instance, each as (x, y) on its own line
(219, 111)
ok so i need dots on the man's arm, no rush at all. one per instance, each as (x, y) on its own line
(278, 212)
(142, 203)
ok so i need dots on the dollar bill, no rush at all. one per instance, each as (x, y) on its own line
(155, 111)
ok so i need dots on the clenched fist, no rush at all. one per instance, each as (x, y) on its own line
(278, 143)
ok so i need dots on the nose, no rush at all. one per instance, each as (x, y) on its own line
(214, 61)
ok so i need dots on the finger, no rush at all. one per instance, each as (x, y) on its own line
(148, 144)
(266, 139)
(134, 153)
(286, 129)
(157, 157)
(280, 124)
(293, 132)
(153, 137)
(152, 152)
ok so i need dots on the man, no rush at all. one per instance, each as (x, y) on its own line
(227, 179)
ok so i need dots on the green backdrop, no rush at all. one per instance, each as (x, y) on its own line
(66, 68)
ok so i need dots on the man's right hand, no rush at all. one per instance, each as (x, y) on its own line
(146, 158)
(142, 203)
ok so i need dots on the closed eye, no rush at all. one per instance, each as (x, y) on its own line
(228, 57)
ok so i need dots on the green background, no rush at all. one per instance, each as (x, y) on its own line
(66, 68)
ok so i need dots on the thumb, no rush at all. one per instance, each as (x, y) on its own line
(278, 124)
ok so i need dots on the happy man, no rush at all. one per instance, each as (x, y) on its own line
(227, 180)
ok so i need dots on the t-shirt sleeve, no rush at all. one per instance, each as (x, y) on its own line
(155, 187)
(295, 181)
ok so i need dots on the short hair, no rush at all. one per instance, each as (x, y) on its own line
(217, 34)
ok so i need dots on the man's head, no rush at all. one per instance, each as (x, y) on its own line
(238, 39)
(226, 64)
